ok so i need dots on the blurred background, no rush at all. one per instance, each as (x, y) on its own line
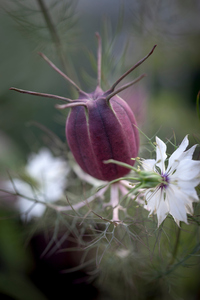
(164, 102)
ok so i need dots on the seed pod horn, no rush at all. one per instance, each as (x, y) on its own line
(104, 128)
(100, 125)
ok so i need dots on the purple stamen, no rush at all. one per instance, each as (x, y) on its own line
(166, 181)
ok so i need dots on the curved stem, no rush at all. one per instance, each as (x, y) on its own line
(120, 163)
(79, 204)
(175, 247)
(49, 23)
(114, 201)
(131, 69)
(53, 32)
(26, 197)
(74, 104)
(60, 72)
(56, 38)
(125, 86)
(41, 94)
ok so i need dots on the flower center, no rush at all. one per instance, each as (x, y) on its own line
(165, 178)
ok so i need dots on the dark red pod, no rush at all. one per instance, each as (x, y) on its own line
(101, 131)
(100, 125)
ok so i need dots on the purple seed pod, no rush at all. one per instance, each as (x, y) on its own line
(100, 125)
(99, 131)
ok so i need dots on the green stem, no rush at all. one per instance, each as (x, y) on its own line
(133, 190)
(56, 39)
(120, 163)
(49, 22)
(52, 30)
(174, 253)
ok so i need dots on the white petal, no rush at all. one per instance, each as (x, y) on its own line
(189, 208)
(30, 209)
(161, 154)
(152, 197)
(50, 173)
(187, 170)
(178, 152)
(21, 187)
(151, 200)
(39, 162)
(177, 221)
(176, 200)
(53, 189)
(189, 153)
(157, 204)
(23, 204)
(188, 187)
(163, 208)
(44, 166)
(148, 164)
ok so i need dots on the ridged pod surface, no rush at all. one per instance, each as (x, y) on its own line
(100, 131)
(100, 125)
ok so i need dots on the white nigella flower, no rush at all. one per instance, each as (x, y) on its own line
(176, 193)
(44, 180)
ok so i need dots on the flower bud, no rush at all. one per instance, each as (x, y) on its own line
(150, 179)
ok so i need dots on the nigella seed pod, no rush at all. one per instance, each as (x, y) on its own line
(100, 131)
(100, 125)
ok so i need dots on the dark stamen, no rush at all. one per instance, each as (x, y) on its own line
(165, 181)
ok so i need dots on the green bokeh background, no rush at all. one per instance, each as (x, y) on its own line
(165, 104)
